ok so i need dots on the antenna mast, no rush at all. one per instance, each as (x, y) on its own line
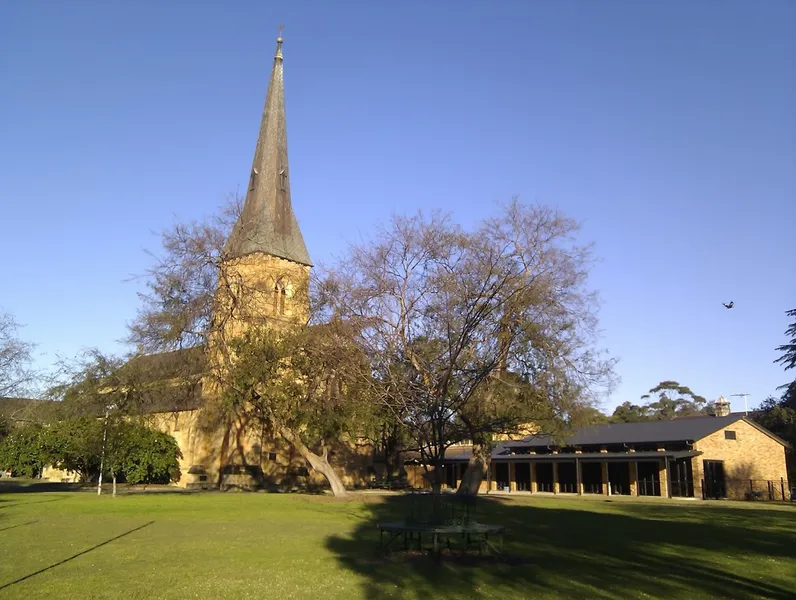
(745, 403)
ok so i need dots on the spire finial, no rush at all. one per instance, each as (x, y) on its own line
(279, 43)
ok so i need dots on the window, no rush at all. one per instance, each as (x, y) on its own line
(281, 292)
(283, 179)
(729, 435)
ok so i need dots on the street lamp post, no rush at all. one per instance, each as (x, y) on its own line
(108, 409)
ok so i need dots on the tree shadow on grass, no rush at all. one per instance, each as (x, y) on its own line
(8, 504)
(17, 525)
(74, 556)
(30, 487)
(643, 551)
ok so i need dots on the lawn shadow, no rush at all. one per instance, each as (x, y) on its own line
(74, 556)
(8, 504)
(636, 550)
(17, 525)
(32, 487)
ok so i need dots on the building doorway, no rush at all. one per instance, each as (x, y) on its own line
(522, 474)
(567, 477)
(544, 476)
(649, 480)
(619, 478)
(682, 478)
(592, 475)
(502, 475)
(449, 475)
(715, 485)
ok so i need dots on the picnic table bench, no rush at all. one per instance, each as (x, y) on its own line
(470, 534)
(443, 519)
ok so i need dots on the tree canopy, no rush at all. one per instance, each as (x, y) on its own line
(472, 333)
(128, 449)
(22, 451)
(666, 401)
(788, 357)
(15, 358)
(779, 414)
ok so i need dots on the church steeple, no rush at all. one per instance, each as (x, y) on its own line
(267, 223)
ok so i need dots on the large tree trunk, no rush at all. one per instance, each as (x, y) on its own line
(319, 463)
(392, 456)
(477, 468)
(436, 478)
(222, 457)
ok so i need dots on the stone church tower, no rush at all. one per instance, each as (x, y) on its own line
(266, 271)
(263, 282)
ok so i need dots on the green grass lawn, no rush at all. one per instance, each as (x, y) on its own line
(214, 545)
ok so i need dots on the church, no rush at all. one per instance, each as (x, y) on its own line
(263, 281)
(265, 256)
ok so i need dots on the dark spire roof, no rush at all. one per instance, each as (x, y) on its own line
(267, 223)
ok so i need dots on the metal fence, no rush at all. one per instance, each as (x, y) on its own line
(748, 489)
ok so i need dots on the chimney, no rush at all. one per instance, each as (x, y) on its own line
(722, 406)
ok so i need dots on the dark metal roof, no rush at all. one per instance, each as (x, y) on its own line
(502, 453)
(598, 456)
(679, 430)
(267, 223)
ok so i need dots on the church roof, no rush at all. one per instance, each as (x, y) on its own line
(23, 410)
(267, 223)
(168, 381)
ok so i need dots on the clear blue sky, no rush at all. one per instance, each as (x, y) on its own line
(667, 128)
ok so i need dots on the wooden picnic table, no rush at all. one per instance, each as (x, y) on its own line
(469, 532)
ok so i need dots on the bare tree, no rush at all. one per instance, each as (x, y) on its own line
(471, 334)
(274, 372)
(15, 358)
(299, 384)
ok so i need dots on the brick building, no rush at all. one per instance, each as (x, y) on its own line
(699, 457)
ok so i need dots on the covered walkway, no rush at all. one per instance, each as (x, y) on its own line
(657, 473)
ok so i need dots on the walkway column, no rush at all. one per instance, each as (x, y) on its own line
(492, 482)
(534, 487)
(696, 477)
(632, 466)
(578, 478)
(664, 476)
(606, 483)
(512, 477)
(555, 477)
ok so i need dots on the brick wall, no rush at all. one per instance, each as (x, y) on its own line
(752, 455)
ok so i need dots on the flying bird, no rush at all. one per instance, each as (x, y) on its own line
(730, 305)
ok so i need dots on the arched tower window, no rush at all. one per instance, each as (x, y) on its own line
(282, 290)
